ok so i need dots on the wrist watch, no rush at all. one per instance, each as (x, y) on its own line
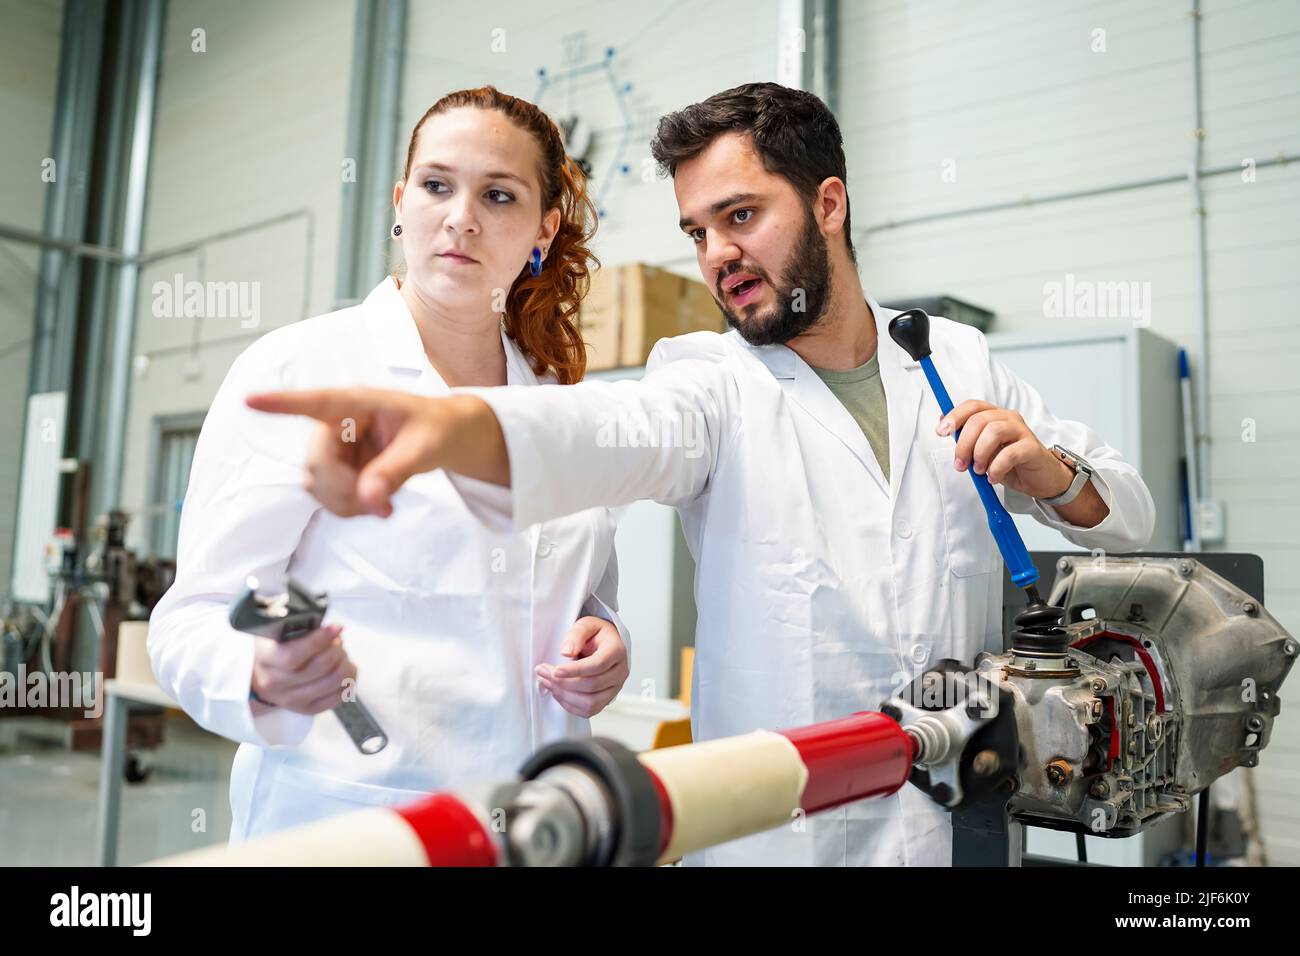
(1083, 472)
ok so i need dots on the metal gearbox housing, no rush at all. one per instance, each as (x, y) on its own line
(1167, 679)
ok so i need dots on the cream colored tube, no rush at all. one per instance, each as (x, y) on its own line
(372, 837)
(721, 790)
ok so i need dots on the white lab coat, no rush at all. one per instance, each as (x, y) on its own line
(821, 588)
(445, 619)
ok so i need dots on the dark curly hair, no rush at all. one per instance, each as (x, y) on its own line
(794, 133)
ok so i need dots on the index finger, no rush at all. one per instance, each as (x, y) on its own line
(597, 663)
(328, 405)
(294, 655)
(957, 417)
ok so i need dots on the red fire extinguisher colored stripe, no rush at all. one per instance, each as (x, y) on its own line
(866, 755)
(451, 834)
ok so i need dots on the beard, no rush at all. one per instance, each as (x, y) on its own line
(801, 296)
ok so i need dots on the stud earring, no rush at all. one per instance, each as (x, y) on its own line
(535, 264)
(397, 230)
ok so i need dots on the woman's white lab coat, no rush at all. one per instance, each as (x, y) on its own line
(821, 586)
(444, 619)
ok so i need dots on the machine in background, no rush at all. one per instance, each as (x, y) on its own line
(95, 577)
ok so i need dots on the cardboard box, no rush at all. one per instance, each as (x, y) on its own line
(598, 319)
(631, 307)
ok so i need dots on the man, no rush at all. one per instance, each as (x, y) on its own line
(839, 546)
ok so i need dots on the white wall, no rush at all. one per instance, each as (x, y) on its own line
(29, 77)
(672, 54)
(250, 129)
(1014, 95)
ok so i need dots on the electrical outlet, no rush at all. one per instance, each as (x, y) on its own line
(1210, 521)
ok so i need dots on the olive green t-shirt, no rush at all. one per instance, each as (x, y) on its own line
(861, 391)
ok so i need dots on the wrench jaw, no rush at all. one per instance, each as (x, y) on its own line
(281, 616)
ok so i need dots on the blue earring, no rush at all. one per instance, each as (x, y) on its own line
(535, 263)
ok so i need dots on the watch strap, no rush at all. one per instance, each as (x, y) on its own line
(1082, 474)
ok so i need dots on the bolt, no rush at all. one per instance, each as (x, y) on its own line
(1255, 723)
(1289, 648)
(1031, 666)
(1100, 789)
(1250, 608)
(986, 763)
(1059, 772)
(1185, 568)
(1065, 565)
(1098, 685)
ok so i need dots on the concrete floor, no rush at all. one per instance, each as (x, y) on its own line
(48, 796)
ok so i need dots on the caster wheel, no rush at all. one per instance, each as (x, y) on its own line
(136, 770)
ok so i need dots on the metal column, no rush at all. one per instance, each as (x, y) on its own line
(372, 146)
(146, 42)
(808, 48)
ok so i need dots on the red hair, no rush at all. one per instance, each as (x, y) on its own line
(542, 311)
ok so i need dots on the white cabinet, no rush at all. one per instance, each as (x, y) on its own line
(1121, 381)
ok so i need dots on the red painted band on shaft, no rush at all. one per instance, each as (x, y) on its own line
(665, 811)
(451, 834)
(866, 755)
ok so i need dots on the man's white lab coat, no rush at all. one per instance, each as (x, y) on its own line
(821, 588)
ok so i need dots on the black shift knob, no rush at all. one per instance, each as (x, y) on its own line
(911, 330)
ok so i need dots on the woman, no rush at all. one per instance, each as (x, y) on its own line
(456, 634)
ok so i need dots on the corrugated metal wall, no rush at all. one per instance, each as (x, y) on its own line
(947, 106)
